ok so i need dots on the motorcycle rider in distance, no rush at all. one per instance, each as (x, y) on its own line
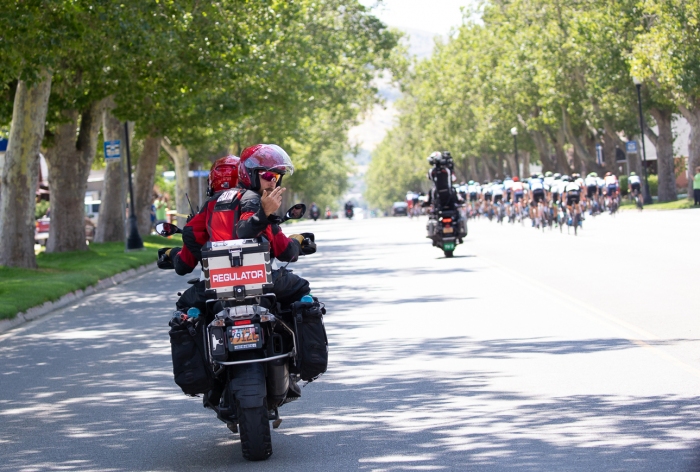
(349, 209)
(443, 196)
(314, 211)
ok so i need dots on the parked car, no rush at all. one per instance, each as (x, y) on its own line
(399, 209)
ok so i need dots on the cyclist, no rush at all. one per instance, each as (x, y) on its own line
(635, 184)
(508, 186)
(612, 186)
(537, 196)
(572, 196)
(518, 193)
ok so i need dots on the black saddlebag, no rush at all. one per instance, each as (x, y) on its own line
(192, 372)
(312, 343)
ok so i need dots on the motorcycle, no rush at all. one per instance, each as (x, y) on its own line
(314, 212)
(254, 349)
(446, 230)
(349, 213)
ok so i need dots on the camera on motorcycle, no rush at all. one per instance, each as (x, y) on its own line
(167, 229)
(296, 212)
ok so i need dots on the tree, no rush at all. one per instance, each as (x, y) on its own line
(667, 54)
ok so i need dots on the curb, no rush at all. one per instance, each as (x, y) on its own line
(46, 308)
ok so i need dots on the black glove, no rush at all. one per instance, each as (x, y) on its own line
(165, 255)
(309, 236)
(308, 246)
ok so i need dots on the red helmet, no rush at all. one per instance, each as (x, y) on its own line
(223, 174)
(262, 157)
(516, 179)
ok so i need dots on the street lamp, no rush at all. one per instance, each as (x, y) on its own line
(647, 195)
(133, 239)
(514, 132)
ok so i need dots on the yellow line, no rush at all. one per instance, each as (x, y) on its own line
(595, 311)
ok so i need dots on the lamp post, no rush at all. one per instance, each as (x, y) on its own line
(514, 132)
(647, 195)
(133, 240)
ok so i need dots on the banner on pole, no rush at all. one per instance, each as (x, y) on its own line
(113, 150)
(599, 154)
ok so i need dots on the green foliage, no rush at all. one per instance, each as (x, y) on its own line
(561, 72)
(62, 273)
(42, 206)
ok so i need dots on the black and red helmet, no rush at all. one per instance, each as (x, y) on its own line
(223, 174)
(261, 158)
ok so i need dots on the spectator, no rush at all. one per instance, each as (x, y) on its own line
(696, 186)
(161, 208)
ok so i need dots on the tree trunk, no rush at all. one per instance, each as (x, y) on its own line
(181, 158)
(144, 179)
(69, 162)
(20, 173)
(511, 164)
(110, 223)
(611, 142)
(487, 169)
(474, 173)
(558, 141)
(581, 154)
(693, 117)
(193, 188)
(664, 154)
(543, 150)
(526, 165)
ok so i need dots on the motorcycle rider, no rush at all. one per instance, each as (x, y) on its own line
(246, 212)
(443, 196)
(349, 209)
(314, 211)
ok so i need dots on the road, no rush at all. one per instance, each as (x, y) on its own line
(526, 351)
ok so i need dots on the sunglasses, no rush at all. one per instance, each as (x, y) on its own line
(270, 176)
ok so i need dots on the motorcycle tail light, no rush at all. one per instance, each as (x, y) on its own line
(242, 322)
(447, 220)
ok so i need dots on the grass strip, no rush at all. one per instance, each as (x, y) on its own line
(62, 273)
(681, 204)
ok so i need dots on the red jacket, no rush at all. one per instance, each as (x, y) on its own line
(232, 214)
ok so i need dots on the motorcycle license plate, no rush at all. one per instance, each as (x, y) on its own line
(448, 246)
(448, 230)
(244, 337)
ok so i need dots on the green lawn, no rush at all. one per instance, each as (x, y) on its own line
(681, 204)
(59, 274)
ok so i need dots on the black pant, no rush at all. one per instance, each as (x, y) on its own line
(696, 194)
(287, 286)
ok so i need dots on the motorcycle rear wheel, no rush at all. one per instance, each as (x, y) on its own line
(449, 253)
(254, 427)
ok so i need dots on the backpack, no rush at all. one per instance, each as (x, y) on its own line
(312, 345)
(192, 372)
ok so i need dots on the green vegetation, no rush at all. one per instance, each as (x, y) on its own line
(199, 79)
(59, 274)
(561, 73)
(677, 205)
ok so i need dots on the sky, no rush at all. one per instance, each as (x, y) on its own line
(435, 16)
(422, 20)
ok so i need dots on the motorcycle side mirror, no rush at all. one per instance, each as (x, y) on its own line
(167, 229)
(296, 212)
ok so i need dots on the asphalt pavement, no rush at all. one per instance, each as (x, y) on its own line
(526, 351)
